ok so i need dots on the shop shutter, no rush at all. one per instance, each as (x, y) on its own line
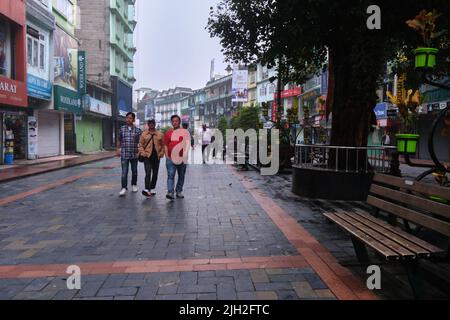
(48, 134)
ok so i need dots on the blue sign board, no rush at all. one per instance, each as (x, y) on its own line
(124, 98)
(39, 88)
(381, 111)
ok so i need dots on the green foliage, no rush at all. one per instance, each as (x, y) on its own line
(302, 33)
(165, 129)
(223, 125)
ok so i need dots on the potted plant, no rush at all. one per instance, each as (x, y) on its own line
(408, 105)
(425, 23)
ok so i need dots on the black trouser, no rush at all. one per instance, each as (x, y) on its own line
(205, 156)
(151, 172)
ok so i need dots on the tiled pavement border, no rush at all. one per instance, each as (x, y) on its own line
(340, 280)
(342, 283)
(155, 266)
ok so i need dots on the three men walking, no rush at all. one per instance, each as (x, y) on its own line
(149, 147)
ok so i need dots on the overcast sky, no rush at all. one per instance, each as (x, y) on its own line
(173, 47)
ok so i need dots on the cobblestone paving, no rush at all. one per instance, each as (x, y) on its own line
(227, 240)
(309, 213)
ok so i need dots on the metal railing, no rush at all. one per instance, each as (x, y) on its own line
(344, 159)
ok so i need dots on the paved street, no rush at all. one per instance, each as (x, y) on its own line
(227, 240)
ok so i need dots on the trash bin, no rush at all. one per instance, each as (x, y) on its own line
(9, 158)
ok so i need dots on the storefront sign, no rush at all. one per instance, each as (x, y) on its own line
(13, 92)
(67, 100)
(434, 107)
(392, 113)
(97, 106)
(39, 88)
(82, 89)
(295, 92)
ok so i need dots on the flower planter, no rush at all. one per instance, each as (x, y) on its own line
(407, 143)
(425, 57)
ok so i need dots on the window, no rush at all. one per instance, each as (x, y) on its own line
(5, 49)
(263, 91)
(36, 50)
(66, 8)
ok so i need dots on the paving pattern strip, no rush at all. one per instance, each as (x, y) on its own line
(340, 280)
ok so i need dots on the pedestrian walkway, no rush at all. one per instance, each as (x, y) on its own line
(229, 239)
(24, 169)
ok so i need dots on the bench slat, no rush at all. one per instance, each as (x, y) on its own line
(380, 237)
(405, 243)
(435, 207)
(377, 246)
(410, 215)
(412, 185)
(419, 242)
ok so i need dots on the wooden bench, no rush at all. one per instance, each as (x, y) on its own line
(409, 211)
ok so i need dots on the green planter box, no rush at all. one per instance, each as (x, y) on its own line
(407, 143)
(425, 57)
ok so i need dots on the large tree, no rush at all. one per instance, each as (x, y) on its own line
(301, 33)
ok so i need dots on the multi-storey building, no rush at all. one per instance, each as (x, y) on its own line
(66, 94)
(168, 103)
(106, 34)
(218, 101)
(13, 92)
(49, 140)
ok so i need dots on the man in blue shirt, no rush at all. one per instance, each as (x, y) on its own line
(129, 136)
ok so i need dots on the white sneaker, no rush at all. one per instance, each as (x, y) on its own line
(153, 192)
(135, 189)
(123, 192)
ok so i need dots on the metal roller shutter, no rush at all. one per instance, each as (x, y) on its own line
(48, 134)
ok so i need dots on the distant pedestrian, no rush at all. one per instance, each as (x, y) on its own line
(176, 163)
(129, 136)
(206, 137)
(386, 139)
(151, 148)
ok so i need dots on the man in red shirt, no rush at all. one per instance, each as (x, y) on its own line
(176, 147)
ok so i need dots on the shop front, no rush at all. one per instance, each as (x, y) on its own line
(89, 129)
(13, 89)
(68, 102)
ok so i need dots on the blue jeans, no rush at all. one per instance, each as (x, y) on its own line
(172, 169)
(134, 172)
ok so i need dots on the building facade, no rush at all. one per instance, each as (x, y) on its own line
(106, 35)
(48, 138)
(218, 101)
(13, 81)
(168, 103)
(67, 98)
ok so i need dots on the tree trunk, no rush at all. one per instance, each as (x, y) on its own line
(354, 73)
